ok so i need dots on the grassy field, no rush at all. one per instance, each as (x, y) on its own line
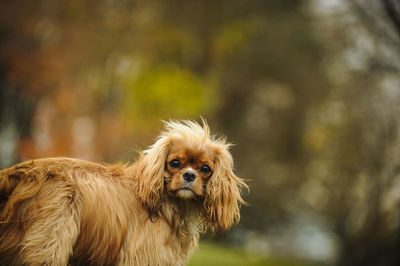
(210, 254)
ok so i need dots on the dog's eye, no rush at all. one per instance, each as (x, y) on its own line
(174, 163)
(205, 169)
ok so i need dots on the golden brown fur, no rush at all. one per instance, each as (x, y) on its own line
(61, 211)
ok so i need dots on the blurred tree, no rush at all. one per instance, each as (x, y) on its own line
(352, 140)
(365, 195)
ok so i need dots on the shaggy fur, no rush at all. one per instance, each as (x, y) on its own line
(61, 211)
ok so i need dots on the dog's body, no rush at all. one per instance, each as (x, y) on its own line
(61, 211)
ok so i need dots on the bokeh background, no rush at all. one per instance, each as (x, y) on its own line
(308, 90)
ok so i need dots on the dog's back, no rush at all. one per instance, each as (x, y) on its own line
(41, 212)
(20, 189)
(11, 230)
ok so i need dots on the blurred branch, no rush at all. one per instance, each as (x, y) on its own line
(392, 13)
(371, 22)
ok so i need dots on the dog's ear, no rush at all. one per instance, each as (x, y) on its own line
(150, 176)
(222, 198)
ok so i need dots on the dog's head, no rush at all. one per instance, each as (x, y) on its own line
(189, 164)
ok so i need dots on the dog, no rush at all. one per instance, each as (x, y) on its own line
(61, 211)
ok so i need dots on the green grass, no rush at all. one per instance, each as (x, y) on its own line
(210, 254)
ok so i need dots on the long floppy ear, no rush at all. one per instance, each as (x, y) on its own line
(150, 176)
(222, 199)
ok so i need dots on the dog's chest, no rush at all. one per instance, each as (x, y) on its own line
(156, 244)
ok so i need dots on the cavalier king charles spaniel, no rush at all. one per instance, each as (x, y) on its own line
(61, 211)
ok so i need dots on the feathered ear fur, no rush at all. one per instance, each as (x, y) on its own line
(150, 175)
(222, 200)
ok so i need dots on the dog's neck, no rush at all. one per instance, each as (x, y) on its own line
(186, 212)
(184, 220)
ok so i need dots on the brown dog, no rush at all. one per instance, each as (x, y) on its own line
(61, 211)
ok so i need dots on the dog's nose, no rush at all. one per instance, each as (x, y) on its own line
(189, 176)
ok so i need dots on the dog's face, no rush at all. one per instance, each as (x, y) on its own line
(188, 163)
(187, 171)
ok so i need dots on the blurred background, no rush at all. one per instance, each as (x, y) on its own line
(308, 90)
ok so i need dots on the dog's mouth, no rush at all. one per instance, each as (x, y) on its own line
(185, 193)
(185, 188)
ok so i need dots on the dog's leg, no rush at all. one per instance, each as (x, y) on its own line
(51, 236)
